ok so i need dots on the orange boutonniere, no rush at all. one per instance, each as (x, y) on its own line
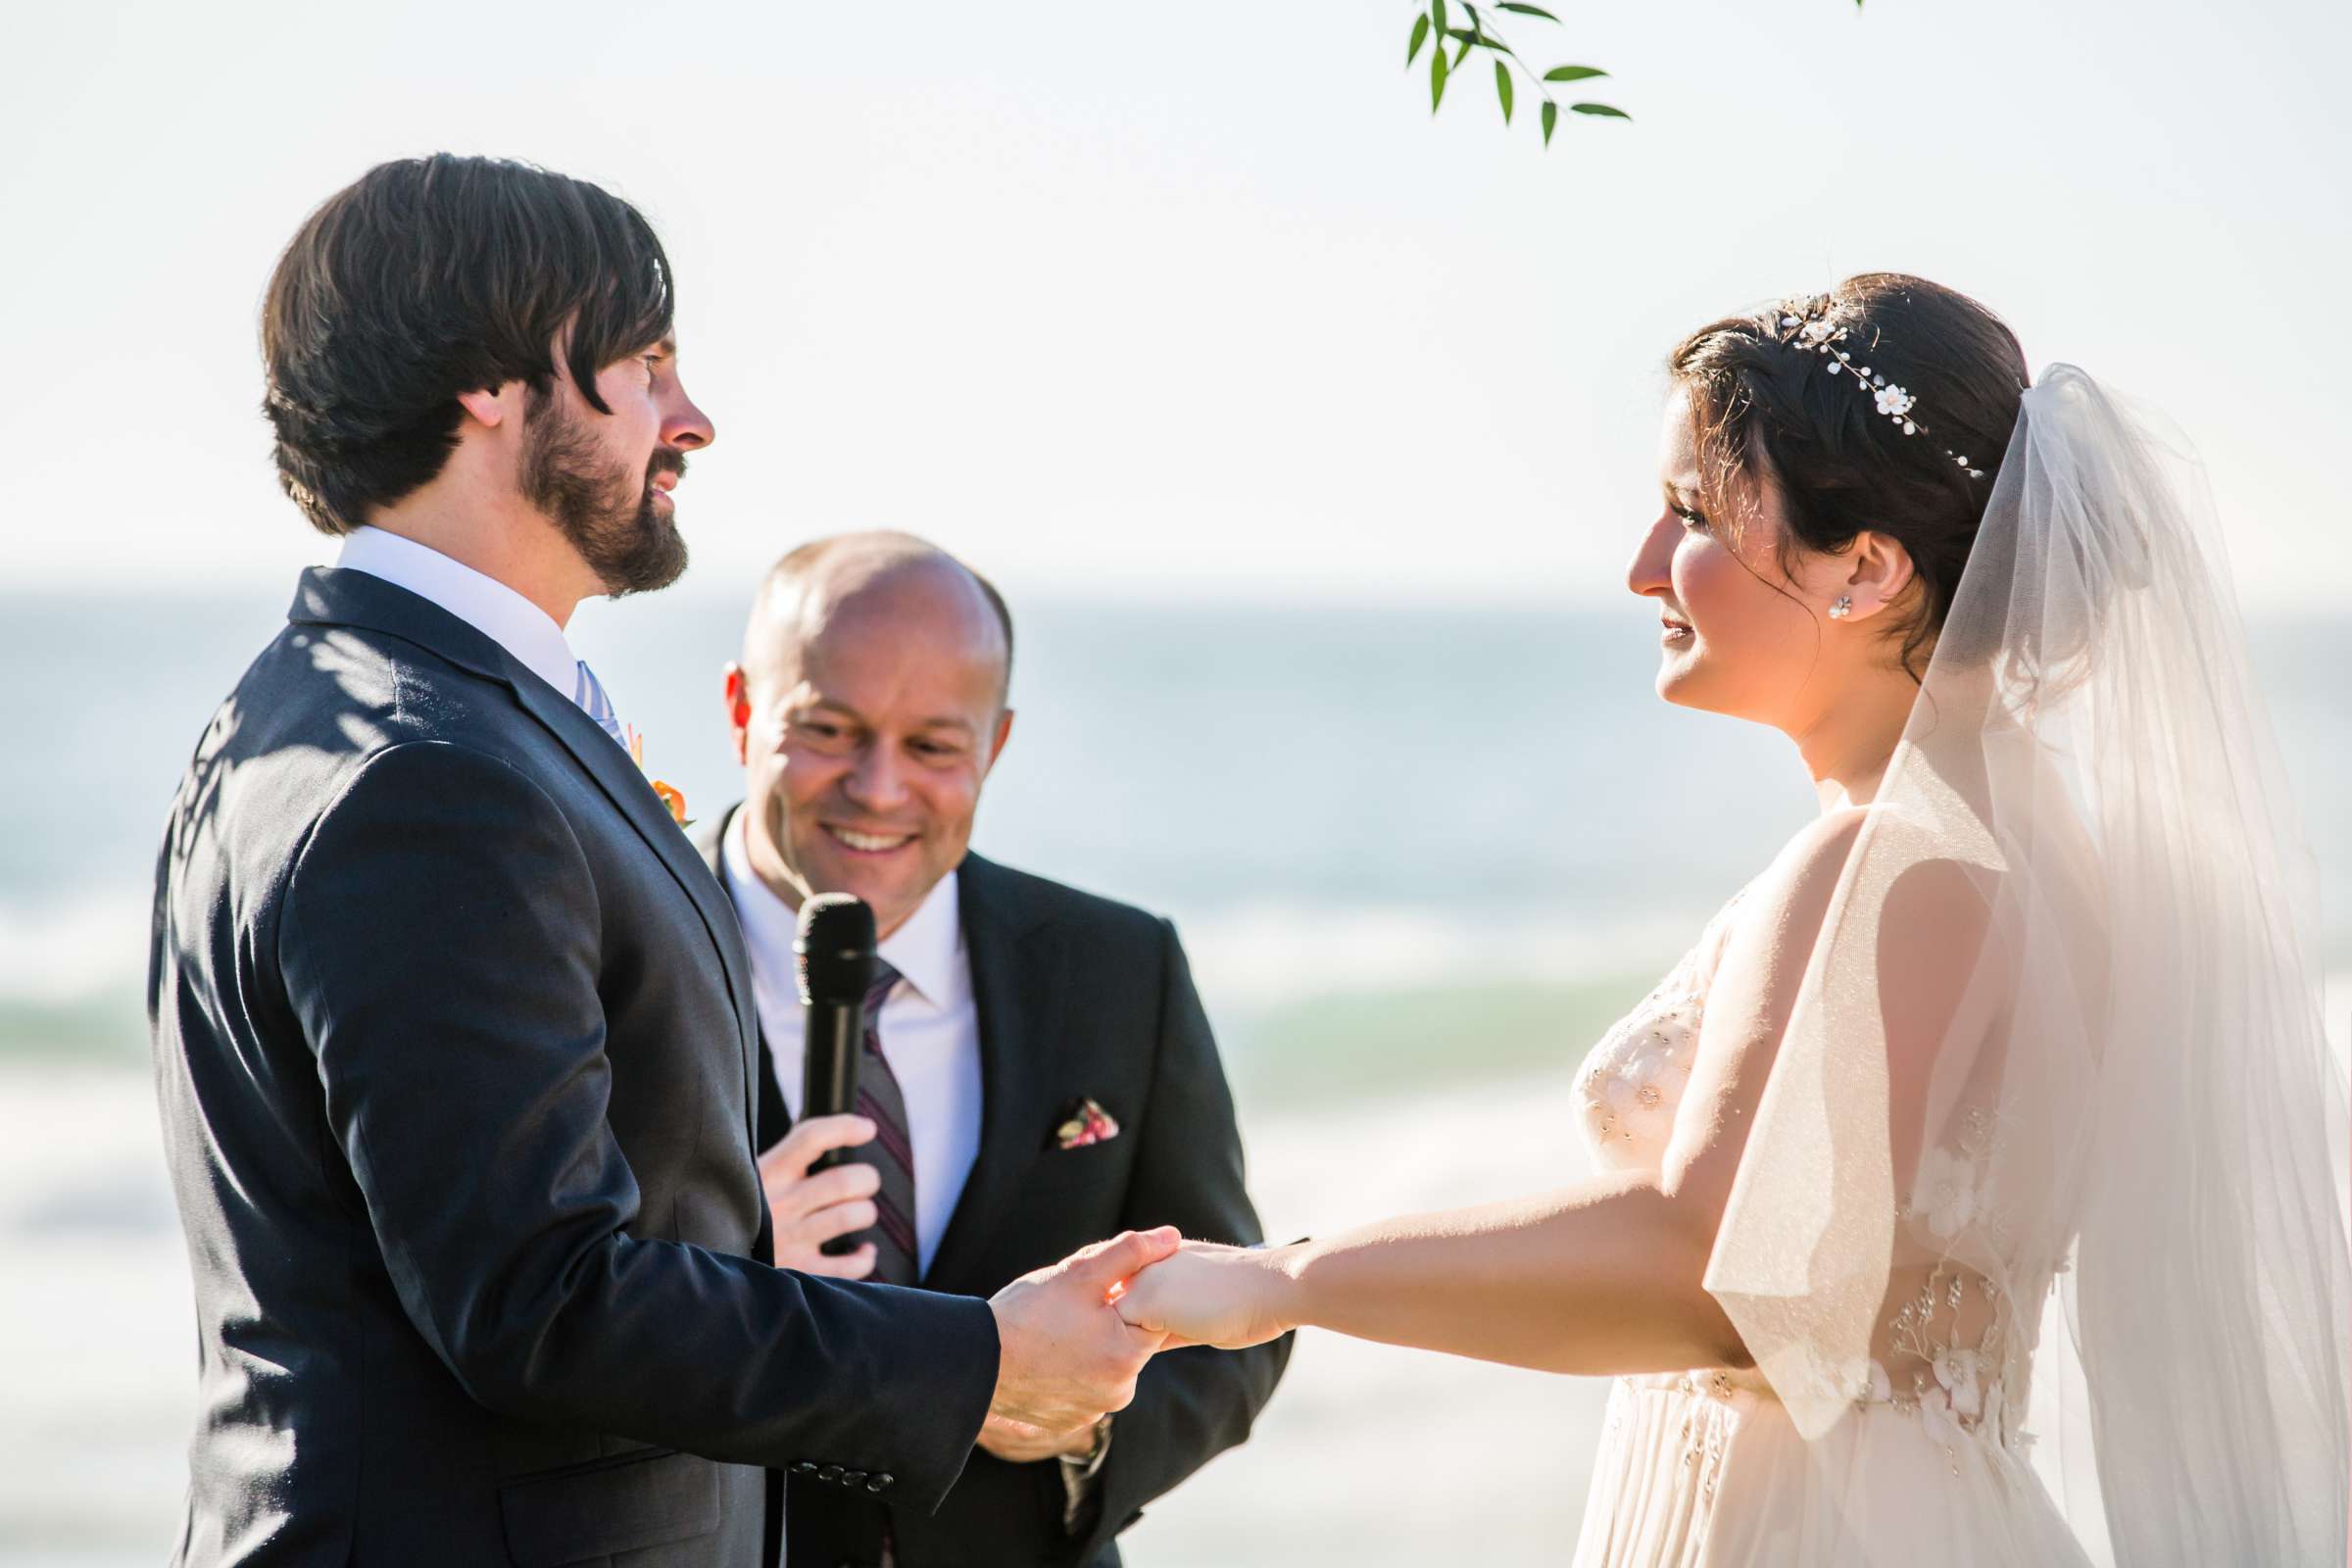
(673, 799)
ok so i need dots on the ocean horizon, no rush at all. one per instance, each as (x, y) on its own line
(1329, 800)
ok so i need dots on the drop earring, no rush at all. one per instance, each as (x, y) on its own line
(1841, 607)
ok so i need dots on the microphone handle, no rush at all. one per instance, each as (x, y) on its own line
(829, 1083)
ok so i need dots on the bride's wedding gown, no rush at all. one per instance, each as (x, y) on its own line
(1928, 1468)
(2106, 1074)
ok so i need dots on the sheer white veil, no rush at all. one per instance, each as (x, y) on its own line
(2128, 1111)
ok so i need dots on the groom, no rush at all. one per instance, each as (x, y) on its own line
(454, 1032)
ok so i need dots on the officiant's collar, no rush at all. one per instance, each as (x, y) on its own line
(482, 602)
(927, 951)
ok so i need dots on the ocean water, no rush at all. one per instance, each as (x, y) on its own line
(1326, 800)
(1330, 802)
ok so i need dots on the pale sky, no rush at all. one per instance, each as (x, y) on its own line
(1161, 300)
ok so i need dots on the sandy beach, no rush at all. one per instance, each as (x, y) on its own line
(1368, 1454)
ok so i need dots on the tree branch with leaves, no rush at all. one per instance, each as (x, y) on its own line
(1435, 22)
(1433, 29)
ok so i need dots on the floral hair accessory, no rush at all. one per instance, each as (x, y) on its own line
(1820, 335)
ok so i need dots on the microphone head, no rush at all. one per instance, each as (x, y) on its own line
(833, 953)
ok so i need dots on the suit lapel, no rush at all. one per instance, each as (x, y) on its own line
(332, 596)
(770, 1118)
(626, 787)
(1016, 969)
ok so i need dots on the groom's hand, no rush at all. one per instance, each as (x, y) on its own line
(1067, 1357)
(812, 1210)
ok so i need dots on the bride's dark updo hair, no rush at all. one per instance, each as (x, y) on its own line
(1766, 405)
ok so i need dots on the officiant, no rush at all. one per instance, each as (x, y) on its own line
(1038, 1072)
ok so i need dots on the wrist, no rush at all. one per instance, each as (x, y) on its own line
(1092, 1443)
(1292, 1273)
(996, 1392)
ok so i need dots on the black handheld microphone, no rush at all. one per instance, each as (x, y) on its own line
(833, 954)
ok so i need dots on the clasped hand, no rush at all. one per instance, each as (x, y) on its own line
(1069, 1357)
(1076, 1336)
(1207, 1294)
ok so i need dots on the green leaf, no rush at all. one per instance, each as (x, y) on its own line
(1437, 78)
(1503, 88)
(1467, 45)
(1437, 14)
(1573, 72)
(1420, 37)
(1551, 117)
(1601, 109)
(1539, 11)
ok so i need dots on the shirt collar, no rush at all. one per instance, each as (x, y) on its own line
(927, 951)
(491, 607)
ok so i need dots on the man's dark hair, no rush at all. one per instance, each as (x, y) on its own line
(431, 276)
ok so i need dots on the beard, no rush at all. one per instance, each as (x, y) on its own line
(606, 508)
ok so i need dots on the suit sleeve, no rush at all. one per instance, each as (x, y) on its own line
(1190, 1406)
(440, 943)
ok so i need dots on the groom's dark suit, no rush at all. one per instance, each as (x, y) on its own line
(1078, 998)
(455, 1054)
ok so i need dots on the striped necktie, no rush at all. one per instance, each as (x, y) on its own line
(589, 693)
(897, 1258)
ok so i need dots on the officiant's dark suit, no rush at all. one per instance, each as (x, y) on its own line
(457, 1061)
(1079, 998)
(1037, 1068)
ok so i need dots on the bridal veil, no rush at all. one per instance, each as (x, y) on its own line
(2092, 1208)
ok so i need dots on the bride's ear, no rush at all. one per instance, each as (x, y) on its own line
(1872, 574)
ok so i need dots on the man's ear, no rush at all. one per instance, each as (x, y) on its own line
(487, 407)
(738, 693)
(1878, 571)
(996, 747)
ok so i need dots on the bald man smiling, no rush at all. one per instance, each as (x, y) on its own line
(1039, 1072)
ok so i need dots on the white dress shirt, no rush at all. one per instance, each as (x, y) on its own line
(483, 603)
(929, 1023)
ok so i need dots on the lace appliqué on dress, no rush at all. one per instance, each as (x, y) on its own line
(1949, 1357)
(1634, 1078)
(1950, 1339)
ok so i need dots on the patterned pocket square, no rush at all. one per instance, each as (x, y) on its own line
(1085, 1123)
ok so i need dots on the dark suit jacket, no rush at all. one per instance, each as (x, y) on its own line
(1078, 998)
(455, 1054)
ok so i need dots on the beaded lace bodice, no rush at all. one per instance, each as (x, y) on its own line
(1632, 1081)
(1950, 1348)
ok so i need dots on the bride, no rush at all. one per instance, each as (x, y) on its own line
(2025, 1020)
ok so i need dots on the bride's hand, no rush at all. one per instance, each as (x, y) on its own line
(1207, 1294)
